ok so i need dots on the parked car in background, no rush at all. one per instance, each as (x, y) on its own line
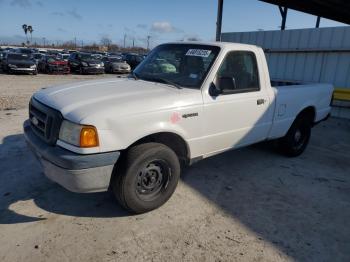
(53, 64)
(2, 54)
(97, 56)
(37, 57)
(19, 63)
(116, 65)
(63, 56)
(133, 60)
(24, 50)
(114, 54)
(42, 51)
(85, 63)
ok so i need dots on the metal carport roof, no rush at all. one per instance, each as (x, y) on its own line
(337, 10)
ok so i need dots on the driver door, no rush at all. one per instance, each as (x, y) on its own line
(237, 116)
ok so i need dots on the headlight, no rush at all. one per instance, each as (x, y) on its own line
(14, 66)
(78, 135)
(33, 66)
(84, 63)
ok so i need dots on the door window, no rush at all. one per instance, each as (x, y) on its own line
(238, 73)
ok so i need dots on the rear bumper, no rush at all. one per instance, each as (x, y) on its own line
(75, 172)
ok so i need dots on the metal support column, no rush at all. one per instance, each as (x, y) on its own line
(283, 11)
(219, 20)
(318, 22)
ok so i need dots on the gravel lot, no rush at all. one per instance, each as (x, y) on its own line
(15, 90)
(245, 205)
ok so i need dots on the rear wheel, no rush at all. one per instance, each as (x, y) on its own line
(146, 178)
(296, 140)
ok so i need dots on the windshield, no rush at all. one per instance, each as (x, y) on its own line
(87, 57)
(185, 65)
(115, 59)
(37, 56)
(52, 59)
(18, 56)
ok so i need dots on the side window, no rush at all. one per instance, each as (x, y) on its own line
(238, 73)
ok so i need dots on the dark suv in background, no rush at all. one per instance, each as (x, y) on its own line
(133, 59)
(85, 63)
(18, 63)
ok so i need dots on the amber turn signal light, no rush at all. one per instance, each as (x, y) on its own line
(88, 137)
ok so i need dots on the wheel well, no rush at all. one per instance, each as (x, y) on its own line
(309, 112)
(172, 140)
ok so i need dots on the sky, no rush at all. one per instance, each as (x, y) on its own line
(163, 20)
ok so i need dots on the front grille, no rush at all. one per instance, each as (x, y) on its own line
(23, 65)
(45, 121)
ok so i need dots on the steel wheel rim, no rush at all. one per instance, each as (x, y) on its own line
(299, 138)
(152, 180)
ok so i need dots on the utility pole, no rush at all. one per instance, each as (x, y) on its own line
(133, 42)
(124, 39)
(219, 20)
(82, 44)
(44, 39)
(75, 43)
(148, 38)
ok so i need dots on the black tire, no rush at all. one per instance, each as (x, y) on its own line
(35, 72)
(146, 177)
(81, 71)
(297, 138)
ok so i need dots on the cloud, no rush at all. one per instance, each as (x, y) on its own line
(129, 30)
(21, 3)
(60, 29)
(142, 26)
(39, 3)
(58, 14)
(73, 13)
(164, 27)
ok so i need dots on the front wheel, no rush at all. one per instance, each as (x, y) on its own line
(297, 138)
(146, 177)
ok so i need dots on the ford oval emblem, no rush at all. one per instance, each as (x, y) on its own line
(35, 121)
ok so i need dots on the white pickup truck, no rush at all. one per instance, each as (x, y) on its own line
(185, 102)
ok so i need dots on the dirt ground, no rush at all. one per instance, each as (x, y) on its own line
(250, 204)
(15, 90)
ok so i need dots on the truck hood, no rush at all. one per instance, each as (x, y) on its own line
(82, 102)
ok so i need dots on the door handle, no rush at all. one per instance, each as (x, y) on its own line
(260, 101)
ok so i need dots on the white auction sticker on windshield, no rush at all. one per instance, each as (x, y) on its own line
(198, 52)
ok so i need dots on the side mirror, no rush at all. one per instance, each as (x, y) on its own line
(214, 90)
(222, 85)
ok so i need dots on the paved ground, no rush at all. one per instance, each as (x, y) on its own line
(246, 205)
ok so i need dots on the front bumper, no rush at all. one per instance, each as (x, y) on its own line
(22, 70)
(93, 70)
(75, 172)
(59, 69)
(121, 70)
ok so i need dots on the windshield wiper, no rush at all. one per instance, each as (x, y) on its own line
(166, 81)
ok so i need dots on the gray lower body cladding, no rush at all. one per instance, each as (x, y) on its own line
(75, 172)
